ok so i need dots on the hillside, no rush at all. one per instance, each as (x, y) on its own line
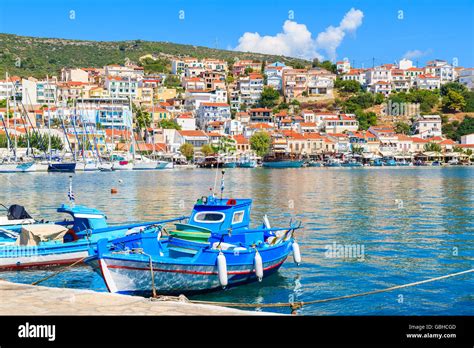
(32, 56)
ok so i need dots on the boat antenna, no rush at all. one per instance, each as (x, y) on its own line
(222, 183)
(70, 193)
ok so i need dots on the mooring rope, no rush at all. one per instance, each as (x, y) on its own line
(296, 305)
(58, 272)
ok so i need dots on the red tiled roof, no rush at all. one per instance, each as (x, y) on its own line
(192, 133)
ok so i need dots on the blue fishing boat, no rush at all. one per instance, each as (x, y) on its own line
(40, 244)
(63, 242)
(390, 162)
(315, 164)
(247, 161)
(332, 162)
(378, 163)
(351, 163)
(215, 249)
(282, 160)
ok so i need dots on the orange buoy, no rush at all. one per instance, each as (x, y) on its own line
(113, 190)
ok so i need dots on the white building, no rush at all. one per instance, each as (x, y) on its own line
(74, 75)
(467, 139)
(343, 67)
(427, 126)
(427, 82)
(405, 64)
(250, 88)
(212, 112)
(466, 77)
(38, 92)
(441, 69)
(186, 121)
(355, 75)
(122, 87)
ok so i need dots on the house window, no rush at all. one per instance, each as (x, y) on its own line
(238, 217)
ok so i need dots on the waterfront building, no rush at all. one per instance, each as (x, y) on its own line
(340, 123)
(427, 126)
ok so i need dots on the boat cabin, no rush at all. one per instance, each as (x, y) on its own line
(219, 215)
(219, 220)
(84, 219)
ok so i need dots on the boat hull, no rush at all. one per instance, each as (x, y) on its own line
(283, 164)
(62, 167)
(230, 165)
(249, 164)
(17, 167)
(134, 278)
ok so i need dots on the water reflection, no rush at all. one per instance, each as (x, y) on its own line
(429, 234)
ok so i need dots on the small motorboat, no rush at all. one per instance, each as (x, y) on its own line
(16, 216)
(282, 160)
(333, 162)
(215, 249)
(63, 242)
(315, 164)
(351, 163)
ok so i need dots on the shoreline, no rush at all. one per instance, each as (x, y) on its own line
(33, 300)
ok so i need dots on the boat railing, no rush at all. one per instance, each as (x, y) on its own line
(143, 224)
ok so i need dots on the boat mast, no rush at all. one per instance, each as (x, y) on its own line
(49, 124)
(7, 115)
(132, 140)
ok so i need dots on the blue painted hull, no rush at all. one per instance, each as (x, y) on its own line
(230, 165)
(131, 273)
(62, 167)
(283, 164)
(249, 164)
(351, 164)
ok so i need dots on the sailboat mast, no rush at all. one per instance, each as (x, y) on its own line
(7, 113)
(49, 124)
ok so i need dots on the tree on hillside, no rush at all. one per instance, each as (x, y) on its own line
(168, 124)
(402, 128)
(453, 101)
(187, 150)
(465, 127)
(349, 86)
(452, 86)
(366, 119)
(260, 142)
(269, 97)
(172, 81)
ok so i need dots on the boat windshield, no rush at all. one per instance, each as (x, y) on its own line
(209, 217)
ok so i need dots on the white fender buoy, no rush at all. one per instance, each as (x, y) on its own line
(296, 253)
(222, 269)
(258, 263)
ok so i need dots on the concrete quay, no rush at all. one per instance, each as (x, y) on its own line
(24, 299)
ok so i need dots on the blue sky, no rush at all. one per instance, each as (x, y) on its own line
(428, 29)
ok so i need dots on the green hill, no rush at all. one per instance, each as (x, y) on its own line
(32, 56)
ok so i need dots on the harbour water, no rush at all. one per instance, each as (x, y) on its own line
(402, 225)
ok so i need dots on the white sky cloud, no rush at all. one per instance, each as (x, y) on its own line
(296, 40)
(413, 54)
